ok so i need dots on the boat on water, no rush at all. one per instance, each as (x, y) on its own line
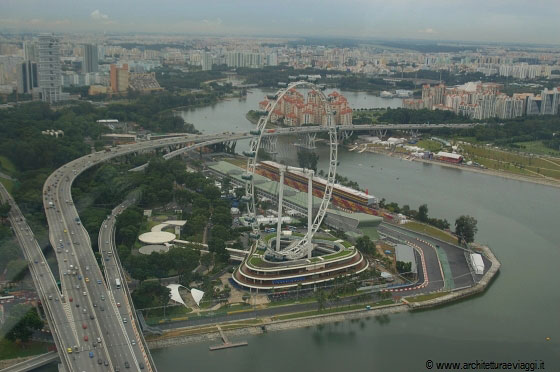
(386, 94)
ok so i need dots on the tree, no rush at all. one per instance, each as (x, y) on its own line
(150, 294)
(365, 245)
(423, 213)
(24, 328)
(4, 210)
(465, 228)
(404, 267)
(321, 299)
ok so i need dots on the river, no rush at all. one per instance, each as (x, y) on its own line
(509, 322)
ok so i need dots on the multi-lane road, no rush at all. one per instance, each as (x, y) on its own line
(56, 309)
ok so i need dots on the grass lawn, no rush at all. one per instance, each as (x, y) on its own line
(155, 316)
(518, 163)
(256, 261)
(7, 166)
(431, 231)
(430, 145)
(426, 297)
(537, 147)
(338, 254)
(332, 310)
(9, 349)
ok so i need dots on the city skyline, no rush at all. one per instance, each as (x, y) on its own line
(496, 21)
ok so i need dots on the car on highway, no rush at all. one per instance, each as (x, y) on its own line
(98, 281)
(98, 340)
(77, 305)
(91, 354)
(70, 299)
(102, 298)
(133, 342)
(141, 365)
(118, 304)
(124, 320)
(86, 338)
(84, 293)
(84, 310)
(126, 365)
(87, 280)
(84, 325)
(69, 350)
(99, 361)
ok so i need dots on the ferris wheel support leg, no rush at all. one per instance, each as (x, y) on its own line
(309, 212)
(280, 201)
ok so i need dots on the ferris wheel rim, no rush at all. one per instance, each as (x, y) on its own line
(253, 160)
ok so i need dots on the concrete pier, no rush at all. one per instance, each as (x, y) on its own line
(226, 343)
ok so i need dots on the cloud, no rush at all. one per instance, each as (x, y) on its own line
(429, 31)
(98, 16)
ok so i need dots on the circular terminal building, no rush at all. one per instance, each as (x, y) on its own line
(330, 259)
(157, 237)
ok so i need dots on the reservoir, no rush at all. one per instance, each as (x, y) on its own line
(510, 322)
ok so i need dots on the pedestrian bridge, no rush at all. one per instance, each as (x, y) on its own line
(32, 363)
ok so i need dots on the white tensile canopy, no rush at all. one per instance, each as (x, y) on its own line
(175, 296)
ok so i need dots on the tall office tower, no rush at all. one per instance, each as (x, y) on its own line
(27, 77)
(30, 51)
(50, 82)
(119, 78)
(206, 61)
(90, 58)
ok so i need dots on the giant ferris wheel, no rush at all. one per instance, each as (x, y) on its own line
(297, 248)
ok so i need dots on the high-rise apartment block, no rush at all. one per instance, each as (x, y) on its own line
(27, 77)
(293, 110)
(244, 59)
(481, 101)
(90, 62)
(119, 78)
(50, 82)
(550, 101)
(206, 61)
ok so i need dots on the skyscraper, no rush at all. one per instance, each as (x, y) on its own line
(27, 77)
(49, 68)
(90, 63)
(30, 51)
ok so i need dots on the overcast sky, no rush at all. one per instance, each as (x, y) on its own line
(535, 21)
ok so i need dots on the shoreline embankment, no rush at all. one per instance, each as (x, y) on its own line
(210, 332)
